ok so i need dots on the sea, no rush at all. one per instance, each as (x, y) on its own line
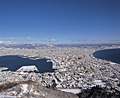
(112, 55)
(14, 62)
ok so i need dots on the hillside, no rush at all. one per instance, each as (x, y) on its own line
(31, 89)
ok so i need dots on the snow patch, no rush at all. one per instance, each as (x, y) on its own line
(24, 87)
(75, 91)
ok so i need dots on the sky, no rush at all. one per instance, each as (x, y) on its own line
(60, 21)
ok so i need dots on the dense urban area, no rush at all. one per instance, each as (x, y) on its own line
(75, 67)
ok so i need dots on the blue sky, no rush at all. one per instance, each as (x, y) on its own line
(60, 21)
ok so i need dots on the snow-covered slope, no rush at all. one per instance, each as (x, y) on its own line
(31, 89)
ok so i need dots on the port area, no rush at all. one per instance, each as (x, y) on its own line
(28, 68)
(76, 68)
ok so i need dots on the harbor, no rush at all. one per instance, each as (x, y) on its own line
(75, 68)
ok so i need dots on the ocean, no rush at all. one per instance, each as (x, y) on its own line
(14, 62)
(112, 55)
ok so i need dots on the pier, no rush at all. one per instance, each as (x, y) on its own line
(28, 68)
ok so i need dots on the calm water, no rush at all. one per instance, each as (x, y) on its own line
(108, 54)
(15, 62)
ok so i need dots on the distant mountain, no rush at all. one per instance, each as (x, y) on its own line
(8, 44)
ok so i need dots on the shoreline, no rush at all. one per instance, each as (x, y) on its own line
(16, 62)
(105, 58)
(75, 67)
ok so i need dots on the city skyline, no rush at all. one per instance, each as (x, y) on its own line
(60, 21)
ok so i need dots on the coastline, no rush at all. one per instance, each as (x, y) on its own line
(108, 55)
(76, 67)
(15, 62)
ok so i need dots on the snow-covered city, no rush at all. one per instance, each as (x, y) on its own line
(76, 68)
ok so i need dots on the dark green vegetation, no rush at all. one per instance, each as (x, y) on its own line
(99, 92)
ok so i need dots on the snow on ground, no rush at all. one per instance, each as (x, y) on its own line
(75, 91)
(28, 68)
(7, 96)
(24, 88)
